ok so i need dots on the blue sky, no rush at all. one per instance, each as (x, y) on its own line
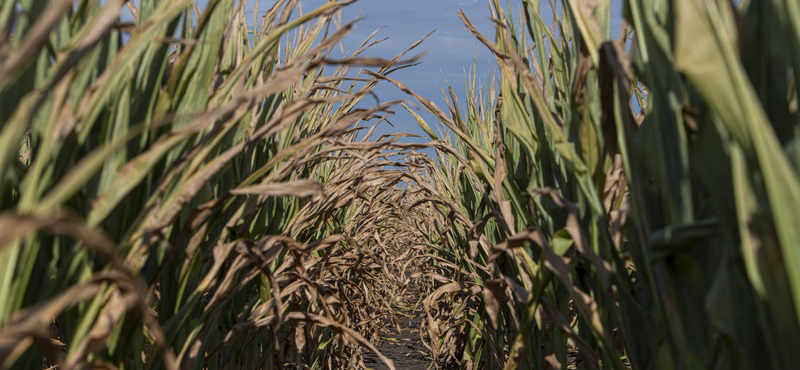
(450, 51)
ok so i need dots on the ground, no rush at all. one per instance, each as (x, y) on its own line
(407, 351)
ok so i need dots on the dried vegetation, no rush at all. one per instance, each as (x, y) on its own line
(195, 190)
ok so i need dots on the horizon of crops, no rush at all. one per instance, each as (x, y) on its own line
(197, 190)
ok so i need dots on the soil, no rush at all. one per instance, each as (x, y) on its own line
(407, 351)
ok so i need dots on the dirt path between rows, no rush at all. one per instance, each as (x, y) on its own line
(406, 350)
(405, 347)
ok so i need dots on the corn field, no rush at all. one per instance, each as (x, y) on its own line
(202, 189)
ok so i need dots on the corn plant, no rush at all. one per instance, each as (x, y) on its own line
(166, 185)
(623, 203)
